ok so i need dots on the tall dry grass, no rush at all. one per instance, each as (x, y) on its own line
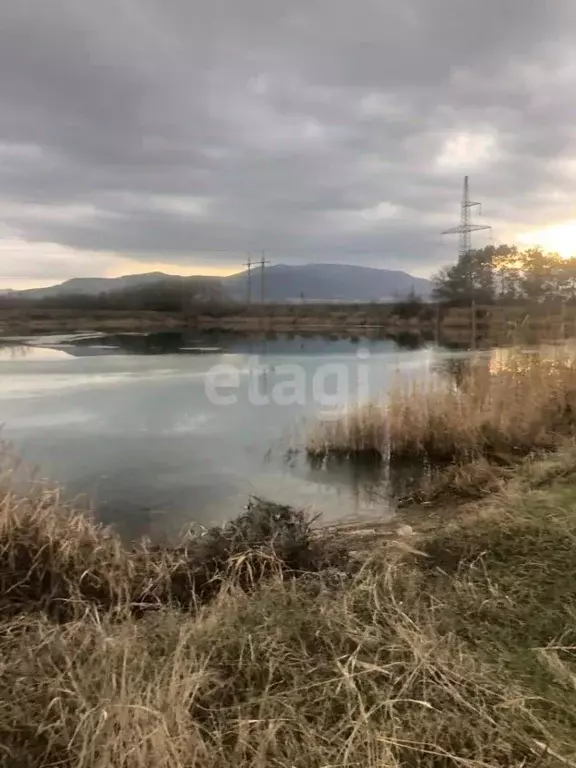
(526, 403)
(449, 650)
(58, 561)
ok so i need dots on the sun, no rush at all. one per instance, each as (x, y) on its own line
(557, 238)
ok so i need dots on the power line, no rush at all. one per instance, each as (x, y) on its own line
(465, 227)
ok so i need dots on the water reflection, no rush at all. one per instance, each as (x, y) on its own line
(21, 352)
(190, 342)
(125, 419)
(207, 342)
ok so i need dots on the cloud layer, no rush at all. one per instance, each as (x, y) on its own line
(189, 133)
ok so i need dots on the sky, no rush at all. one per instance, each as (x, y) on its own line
(181, 135)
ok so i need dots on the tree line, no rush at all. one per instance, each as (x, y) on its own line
(506, 274)
(177, 294)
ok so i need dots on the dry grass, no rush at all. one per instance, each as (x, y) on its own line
(527, 403)
(16, 322)
(451, 649)
(58, 561)
(296, 677)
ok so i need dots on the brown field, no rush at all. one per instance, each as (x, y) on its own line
(38, 321)
(279, 318)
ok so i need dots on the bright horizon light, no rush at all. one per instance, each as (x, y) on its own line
(135, 267)
(557, 238)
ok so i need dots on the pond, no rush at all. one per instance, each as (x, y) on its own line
(161, 431)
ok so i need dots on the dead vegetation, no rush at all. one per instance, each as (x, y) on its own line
(525, 404)
(452, 648)
(58, 561)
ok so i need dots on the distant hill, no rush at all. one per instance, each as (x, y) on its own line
(311, 282)
(93, 286)
(329, 282)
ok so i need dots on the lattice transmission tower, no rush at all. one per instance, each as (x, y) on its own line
(466, 227)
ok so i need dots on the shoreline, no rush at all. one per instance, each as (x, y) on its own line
(69, 322)
(494, 326)
(448, 634)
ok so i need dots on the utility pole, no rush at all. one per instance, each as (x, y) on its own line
(466, 227)
(263, 264)
(248, 264)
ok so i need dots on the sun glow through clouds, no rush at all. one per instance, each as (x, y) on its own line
(557, 238)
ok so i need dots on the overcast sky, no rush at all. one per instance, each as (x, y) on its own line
(180, 134)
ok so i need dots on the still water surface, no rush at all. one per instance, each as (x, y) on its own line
(128, 421)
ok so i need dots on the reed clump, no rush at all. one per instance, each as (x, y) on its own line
(525, 403)
(57, 560)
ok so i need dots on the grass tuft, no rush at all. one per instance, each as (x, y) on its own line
(57, 560)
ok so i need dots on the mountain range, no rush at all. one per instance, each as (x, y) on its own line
(310, 282)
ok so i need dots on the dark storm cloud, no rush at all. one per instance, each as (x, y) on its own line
(159, 129)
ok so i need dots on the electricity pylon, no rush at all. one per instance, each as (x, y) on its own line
(466, 227)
